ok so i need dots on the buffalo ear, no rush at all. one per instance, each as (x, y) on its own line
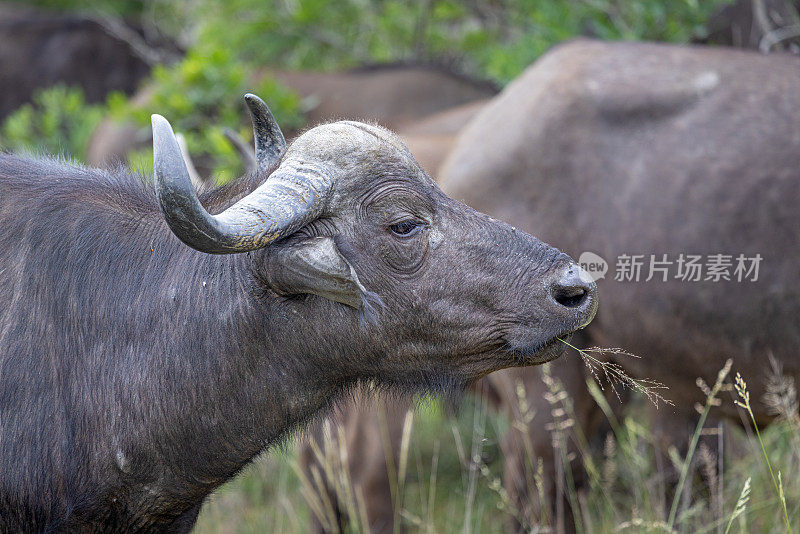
(316, 266)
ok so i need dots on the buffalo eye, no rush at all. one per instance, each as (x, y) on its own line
(405, 228)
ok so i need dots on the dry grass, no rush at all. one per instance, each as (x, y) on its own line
(611, 374)
(451, 481)
(744, 402)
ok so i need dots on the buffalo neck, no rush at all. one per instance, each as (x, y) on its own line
(228, 368)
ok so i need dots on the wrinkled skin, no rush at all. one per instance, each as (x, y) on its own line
(475, 314)
(645, 149)
(140, 374)
(430, 140)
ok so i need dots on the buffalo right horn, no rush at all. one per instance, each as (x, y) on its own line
(268, 138)
(293, 195)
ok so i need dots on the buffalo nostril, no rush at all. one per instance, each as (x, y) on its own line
(571, 297)
(571, 291)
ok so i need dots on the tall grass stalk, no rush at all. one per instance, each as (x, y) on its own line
(405, 442)
(741, 504)
(388, 455)
(600, 400)
(533, 478)
(613, 374)
(345, 488)
(711, 400)
(432, 484)
(744, 395)
(475, 461)
(562, 421)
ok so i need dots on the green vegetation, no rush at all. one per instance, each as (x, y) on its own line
(201, 95)
(59, 121)
(494, 40)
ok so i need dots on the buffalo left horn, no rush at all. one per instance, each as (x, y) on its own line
(268, 138)
(294, 195)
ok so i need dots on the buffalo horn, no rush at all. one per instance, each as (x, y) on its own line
(269, 142)
(293, 195)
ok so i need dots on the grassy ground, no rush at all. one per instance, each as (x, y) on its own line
(442, 491)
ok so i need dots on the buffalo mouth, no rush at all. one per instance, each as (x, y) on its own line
(539, 353)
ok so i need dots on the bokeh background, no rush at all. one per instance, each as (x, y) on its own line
(80, 78)
(69, 64)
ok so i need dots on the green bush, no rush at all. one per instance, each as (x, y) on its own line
(201, 95)
(59, 121)
(492, 40)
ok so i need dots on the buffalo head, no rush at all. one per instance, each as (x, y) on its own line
(389, 277)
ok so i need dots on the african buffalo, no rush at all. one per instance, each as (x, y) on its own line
(642, 149)
(393, 95)
(149, 350)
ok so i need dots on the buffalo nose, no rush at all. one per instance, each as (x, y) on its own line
(574, 289)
